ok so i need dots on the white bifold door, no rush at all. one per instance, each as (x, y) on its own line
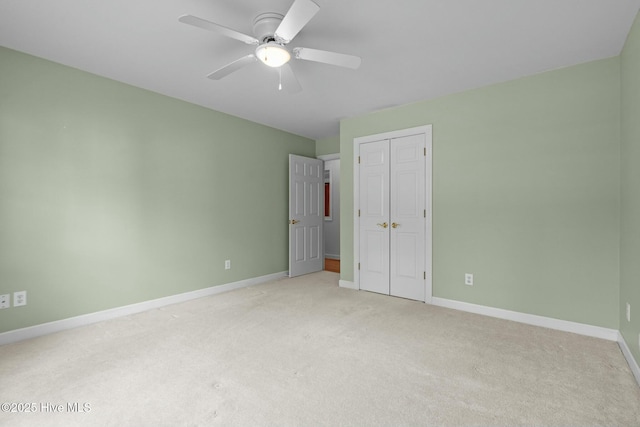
(306, 215)
(392, 212)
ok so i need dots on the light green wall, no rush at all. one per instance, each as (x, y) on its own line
(630, 224)
(328, 146)
(112, 195)
(525, 192)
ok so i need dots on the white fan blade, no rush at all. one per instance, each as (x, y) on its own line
(234, 66)
(208, 25)
(299, 14)
(332, 58)
(289, 79)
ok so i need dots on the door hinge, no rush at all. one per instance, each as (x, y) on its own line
(358, 212)
(425, 213)
(358, 159)
(358, 266)
(425, 275)
(425, 151)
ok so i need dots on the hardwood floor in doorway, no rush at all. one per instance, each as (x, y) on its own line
(332, 265)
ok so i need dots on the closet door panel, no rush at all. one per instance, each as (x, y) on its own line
(374, 216)
(407, 210)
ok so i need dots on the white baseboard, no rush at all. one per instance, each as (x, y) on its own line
(530, 319)
(99, 316)
(347, 284)
(332, 256)
(630, 360)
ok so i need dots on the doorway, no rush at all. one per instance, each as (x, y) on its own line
(332, 212)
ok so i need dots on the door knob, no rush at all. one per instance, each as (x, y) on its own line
(383, 225)
(395, 225)
(294, 221)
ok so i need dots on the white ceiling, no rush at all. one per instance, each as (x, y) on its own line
(411, 50)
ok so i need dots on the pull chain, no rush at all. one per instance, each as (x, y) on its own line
(280, 75)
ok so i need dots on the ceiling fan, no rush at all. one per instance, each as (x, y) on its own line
(272, 33)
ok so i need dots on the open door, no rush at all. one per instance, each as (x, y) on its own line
(306, 215)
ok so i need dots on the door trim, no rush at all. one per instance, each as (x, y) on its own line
(427, 130)
(326, 157)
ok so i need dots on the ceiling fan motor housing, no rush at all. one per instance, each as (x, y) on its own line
(265, 26)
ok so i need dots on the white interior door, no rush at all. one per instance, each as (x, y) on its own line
(407, 217)
(374, 216)
(392, 216)
(306, 215)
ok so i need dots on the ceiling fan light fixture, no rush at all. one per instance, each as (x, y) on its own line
(273, 54)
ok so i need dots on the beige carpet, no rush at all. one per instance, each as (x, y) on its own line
(303, 352)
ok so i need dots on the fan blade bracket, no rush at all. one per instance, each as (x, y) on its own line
(217, 28)
(326, 57)
(299, 15)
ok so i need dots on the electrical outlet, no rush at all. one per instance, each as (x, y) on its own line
(628, 312)
(19, 298)
(5, 301)
(227, 264)
(468, 279)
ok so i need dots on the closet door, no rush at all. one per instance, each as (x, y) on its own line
(392, 224)
(392, 221)
(374, 216)
(407, 217)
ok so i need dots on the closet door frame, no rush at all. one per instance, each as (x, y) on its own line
(427, 131)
